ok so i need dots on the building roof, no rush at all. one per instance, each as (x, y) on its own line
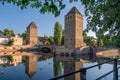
(32, 25)
(74, 10)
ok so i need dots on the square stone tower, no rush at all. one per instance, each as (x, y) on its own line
(73, 29)
(70, 67)
(32, 34)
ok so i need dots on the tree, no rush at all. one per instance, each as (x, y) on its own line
(11, 41)
(50, 40)
(53, 6)
(8, 32)
(23, 35)
(10, 58)
(103, 16)
(101, 43)
(57, 68)
(62, 40)
(57, 33)
(90, 41)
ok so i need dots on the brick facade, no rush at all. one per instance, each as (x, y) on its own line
(73, 28)
(32, 34)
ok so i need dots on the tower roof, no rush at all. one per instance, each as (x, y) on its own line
(32, 25)
(74, 10)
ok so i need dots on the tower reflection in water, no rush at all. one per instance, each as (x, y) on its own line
(30, 65)
(70, 64)
(16, 58)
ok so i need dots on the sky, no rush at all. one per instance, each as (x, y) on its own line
(12, 17)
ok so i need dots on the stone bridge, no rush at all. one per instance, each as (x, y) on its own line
(47, 48)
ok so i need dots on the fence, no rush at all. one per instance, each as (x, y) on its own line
(83, 71)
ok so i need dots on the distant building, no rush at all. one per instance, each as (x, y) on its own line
(3, 39)
(73, 29)
(17, 40)
(32, 34)
(3, 60)
(17, 59)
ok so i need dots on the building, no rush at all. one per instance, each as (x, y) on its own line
(17, 59)
(32, 34)
(17, 40)
(73, 29)
(3, 39)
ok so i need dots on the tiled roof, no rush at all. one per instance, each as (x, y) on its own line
(32, 24)
(74, 10)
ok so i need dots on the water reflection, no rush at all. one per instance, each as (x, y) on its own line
(15, 58)
(30, 65)
(33, 66)
(71, 64)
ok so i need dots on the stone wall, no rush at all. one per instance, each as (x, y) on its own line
(82, 50)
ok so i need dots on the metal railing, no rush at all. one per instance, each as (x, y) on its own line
(83, 71)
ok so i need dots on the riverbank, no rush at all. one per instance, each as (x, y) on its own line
(17, 48)
(107, 52)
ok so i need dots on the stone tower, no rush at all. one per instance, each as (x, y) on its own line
(71, 67)
(73, 29)
(32, 37)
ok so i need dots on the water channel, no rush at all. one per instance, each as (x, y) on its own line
(33, 66)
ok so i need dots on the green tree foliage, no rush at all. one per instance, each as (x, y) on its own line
(57, 68)
(11, 41)
(90, 41)
(47, 40)
(50, 40)
(53, 6)
(8, 32)
(57, 33)
(62, 40)
(10, 58)
(103, 16)
(23, 35)
(101, 43)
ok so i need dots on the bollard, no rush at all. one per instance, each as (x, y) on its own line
(83, 74)
(115, 70)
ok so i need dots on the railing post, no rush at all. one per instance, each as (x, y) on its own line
(115, 70)
(83, 74)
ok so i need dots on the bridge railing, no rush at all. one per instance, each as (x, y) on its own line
(83, 71)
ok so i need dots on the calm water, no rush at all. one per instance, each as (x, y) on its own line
(37, 67)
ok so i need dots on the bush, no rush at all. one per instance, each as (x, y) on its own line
(10, 58)
(11, 42)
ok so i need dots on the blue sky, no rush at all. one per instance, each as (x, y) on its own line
(12, 17)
